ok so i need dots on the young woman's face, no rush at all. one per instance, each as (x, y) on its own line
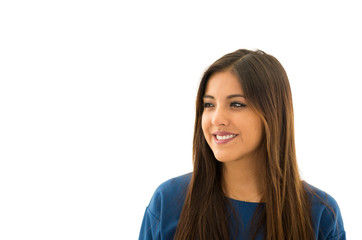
(232, 130)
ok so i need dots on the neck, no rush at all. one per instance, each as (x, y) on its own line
(241, 180)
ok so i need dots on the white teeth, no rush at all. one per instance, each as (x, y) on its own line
(225, 137)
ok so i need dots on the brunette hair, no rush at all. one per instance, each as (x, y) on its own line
(287, 211)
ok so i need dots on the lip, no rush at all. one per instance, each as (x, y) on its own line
(223, 133)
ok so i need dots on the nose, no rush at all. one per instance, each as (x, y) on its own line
(220, 117)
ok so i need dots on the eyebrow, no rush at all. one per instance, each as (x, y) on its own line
(228, 97)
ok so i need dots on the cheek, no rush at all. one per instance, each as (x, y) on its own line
(258, 131)
(251, 130)
(205, 124)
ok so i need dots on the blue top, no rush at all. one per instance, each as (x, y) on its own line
(163, 212)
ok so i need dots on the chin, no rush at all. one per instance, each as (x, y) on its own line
(224, 158)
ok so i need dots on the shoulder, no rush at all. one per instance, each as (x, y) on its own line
(169, 196)
(163, 212)
(320, 198)
(174, 183)
(326, 215)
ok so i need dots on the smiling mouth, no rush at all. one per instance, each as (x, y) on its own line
(222, 139)
(225, 137)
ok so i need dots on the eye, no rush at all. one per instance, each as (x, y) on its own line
(237, 105)
(208, 105)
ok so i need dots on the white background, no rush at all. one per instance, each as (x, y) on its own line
(97, 103)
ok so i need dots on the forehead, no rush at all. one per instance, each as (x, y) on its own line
(223, 83)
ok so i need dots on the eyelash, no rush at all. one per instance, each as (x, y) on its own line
(240, 105)
(233, 104)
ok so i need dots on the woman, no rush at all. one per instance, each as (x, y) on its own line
(245, 183)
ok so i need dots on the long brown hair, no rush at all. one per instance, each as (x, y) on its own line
(286, 214)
